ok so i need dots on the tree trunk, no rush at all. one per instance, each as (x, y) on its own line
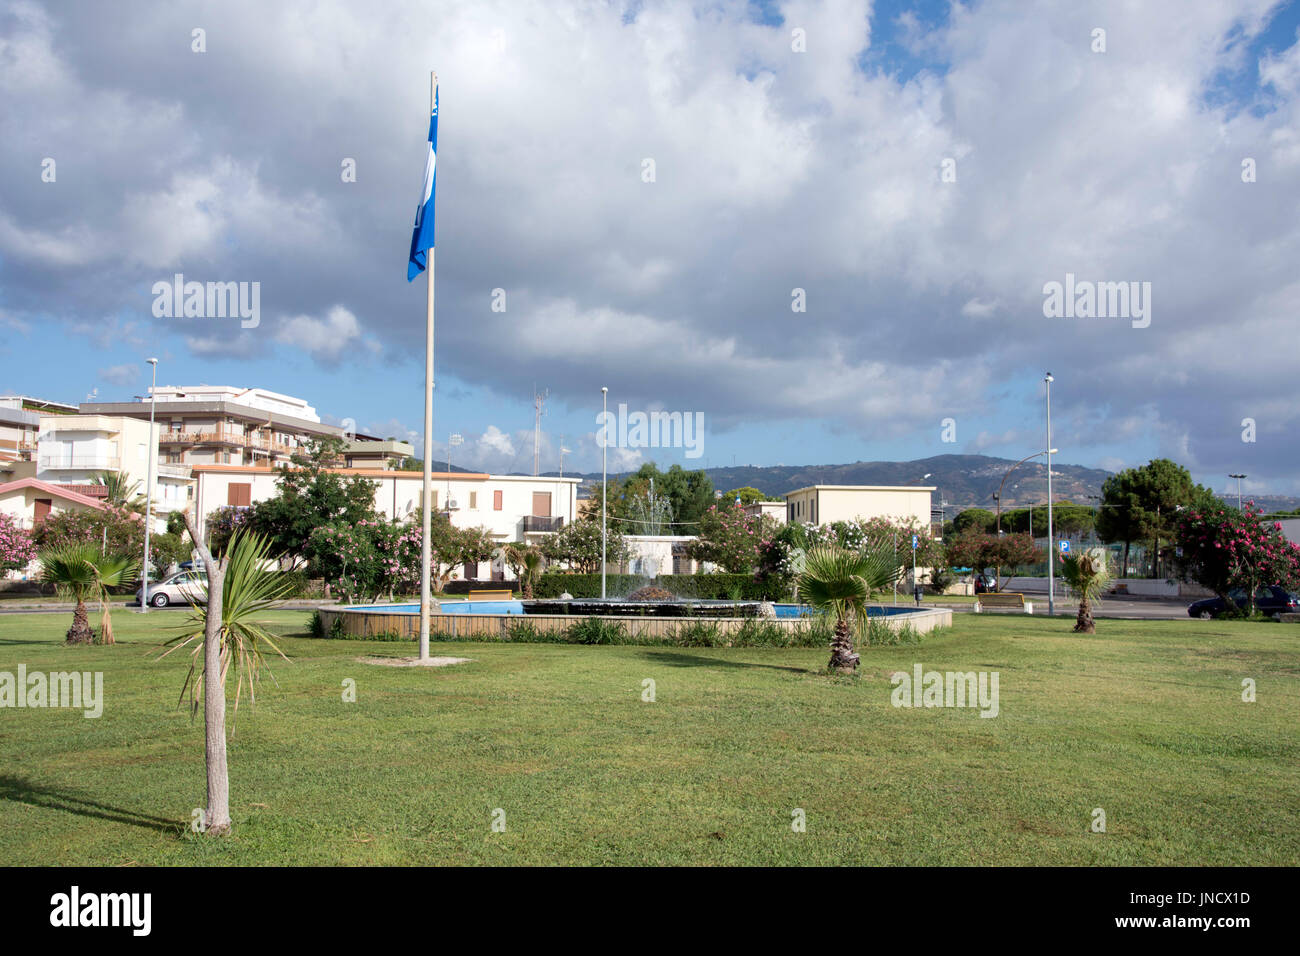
(214, 695)
(1084, 623)
(1125, 574)
(80, 632)
(842, 657)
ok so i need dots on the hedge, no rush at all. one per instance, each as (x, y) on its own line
(816, 632)
(462, 586)
(707, 587)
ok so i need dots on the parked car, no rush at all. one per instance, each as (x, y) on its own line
(1271, 599)
(185, 587)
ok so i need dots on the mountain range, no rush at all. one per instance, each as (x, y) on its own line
(962, 481)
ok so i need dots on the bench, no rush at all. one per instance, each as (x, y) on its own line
(1008, 601)
(491, 595)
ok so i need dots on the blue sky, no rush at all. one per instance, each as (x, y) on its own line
(776, 170)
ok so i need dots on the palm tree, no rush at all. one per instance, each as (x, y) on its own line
(528, 563)
(838, 581)
(119, 491)
(239, 591)
(1088, 575)
(80, 571)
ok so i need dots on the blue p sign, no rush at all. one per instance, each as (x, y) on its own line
(914, 542)
(1065, 547)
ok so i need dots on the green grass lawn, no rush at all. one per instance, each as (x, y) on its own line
(1144, 720)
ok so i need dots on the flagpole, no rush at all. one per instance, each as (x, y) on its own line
(427, 493)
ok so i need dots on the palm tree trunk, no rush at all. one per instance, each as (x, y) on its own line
(842, 657)
(214, 715)
(1084, 623)
(214, 695)
(80, 632)
(106, 627)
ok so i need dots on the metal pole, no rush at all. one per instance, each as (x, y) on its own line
(148, 493)
(1238, 477)
(604, 481)
(426, 526)
(1051, 543)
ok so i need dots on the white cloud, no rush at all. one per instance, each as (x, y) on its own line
(327, 338)
(121, 375)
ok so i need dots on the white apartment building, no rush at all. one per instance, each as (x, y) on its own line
(20, 420)
(511, 507)
(73, 449)
(227, 425)
(827, 504)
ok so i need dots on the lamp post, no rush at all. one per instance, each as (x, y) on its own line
(1051, 543)
(998, 497)
(148, 493)
(563, 451)
(604, 480)
(1238, 477)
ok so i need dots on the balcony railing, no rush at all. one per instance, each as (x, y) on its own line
(58, 462)
(539, 523)
(224, 436)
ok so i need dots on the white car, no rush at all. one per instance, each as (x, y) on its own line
(185, 587)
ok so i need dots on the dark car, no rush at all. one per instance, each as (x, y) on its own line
(1271, 599)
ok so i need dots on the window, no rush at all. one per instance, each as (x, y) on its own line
(541, 504)
(239, 494)
(496, 501)
(473, 500)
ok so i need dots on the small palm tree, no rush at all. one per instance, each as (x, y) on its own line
(248, 590)
(226, 634)
(79, 571)
(528, 563)
(119, 491)
(1088, 575)
(838, 581)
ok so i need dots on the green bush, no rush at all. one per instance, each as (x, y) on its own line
(719, 586)
(552, 584)
(716, 586)
(596, 630)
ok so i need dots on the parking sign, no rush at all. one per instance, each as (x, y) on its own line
(1065, 547)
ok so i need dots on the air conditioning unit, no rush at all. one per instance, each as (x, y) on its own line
(453, 504)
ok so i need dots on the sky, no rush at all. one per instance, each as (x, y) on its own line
(641, 195)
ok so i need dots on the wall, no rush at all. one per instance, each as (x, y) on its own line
(397, 495)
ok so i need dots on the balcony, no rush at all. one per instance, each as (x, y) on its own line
(226, 436)
(79, 462)
(538, 523)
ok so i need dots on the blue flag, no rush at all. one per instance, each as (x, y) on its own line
(422, 236)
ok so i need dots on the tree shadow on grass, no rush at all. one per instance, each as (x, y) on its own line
(20, 790)
(679, 659)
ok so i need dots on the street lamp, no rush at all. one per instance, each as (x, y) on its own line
(1051, 543)
(998, 495)
(563, 451)
(1238, 477)
(604, 480)
(148, 494)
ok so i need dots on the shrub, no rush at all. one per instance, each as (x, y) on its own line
(596, 630)
(552, 584)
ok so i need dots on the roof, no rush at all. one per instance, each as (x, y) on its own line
(365, 472)
(863, 488)
(443, 476)
(183, 409)
(58, 491)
